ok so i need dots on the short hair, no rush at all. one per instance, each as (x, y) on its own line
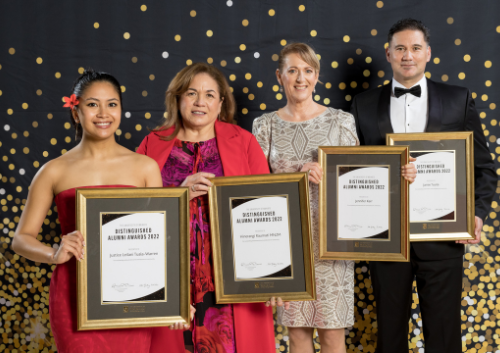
(305, 52)
(180, 84)
(83, 82)
(411, 24)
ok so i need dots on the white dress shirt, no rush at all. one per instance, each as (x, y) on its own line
(408, 112)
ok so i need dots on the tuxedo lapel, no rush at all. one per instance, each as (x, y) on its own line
(383, 114)
(435, 108)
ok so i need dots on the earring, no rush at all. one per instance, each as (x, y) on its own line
(281, 89)
(314, 91)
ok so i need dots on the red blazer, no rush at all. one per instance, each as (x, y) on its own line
(240, 154)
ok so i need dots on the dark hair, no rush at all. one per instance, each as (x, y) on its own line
(180, 84)
(83, 82)
(412, 24)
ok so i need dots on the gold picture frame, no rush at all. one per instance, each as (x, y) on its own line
(393, 246)
(169, 306)
(461, 227)
(301, 284)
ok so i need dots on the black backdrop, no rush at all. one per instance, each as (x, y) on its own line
(45, 44)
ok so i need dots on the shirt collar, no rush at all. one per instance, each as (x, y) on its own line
(422, 83)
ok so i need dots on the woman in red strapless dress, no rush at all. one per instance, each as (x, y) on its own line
(96, 161)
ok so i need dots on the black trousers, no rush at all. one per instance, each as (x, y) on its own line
(439, 285)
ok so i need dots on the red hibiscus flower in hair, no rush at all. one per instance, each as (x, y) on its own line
(71, 102)
(221, 323)
(208, 342)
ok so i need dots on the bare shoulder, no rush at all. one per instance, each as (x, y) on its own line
(52, 171)
(139, 161)
(146, 169)
(147, 162)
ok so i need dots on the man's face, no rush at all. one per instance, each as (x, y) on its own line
(408, 53)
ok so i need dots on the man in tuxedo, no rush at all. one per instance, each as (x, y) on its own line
(413, 103)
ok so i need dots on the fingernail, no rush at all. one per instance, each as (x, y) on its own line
(83, 243)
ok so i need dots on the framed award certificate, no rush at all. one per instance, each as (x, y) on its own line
(135, 272)
(261, 238)
(442, 195)
(363, 203)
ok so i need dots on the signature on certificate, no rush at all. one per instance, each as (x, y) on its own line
(122, 287)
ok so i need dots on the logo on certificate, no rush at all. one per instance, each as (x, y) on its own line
(264, 285)
(125, 309)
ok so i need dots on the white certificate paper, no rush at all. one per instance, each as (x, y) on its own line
(432, 194)
(363, 202)
(133, 258)
(261, 238)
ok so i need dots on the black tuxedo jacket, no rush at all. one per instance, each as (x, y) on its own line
(451, 108)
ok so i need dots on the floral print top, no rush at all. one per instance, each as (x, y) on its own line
(213, 330)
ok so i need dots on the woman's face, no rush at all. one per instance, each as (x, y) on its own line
(99, 110)
(201, 104)
(298, 78)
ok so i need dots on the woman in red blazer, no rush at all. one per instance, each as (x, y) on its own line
(198, 142)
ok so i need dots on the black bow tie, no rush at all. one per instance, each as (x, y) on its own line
(415, 90)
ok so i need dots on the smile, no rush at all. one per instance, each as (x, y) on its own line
(198, 113)
(300, 88)
(104, 125)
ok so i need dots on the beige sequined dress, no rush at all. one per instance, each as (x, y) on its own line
(288, 146)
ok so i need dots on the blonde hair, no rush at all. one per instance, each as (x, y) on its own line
(180, 84)
(305, 52)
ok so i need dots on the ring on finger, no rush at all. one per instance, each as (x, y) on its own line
(192, 188)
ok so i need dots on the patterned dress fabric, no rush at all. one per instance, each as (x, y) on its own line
(288, 146)
(213, 330)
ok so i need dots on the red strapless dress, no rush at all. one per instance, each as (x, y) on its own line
(62, 307)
